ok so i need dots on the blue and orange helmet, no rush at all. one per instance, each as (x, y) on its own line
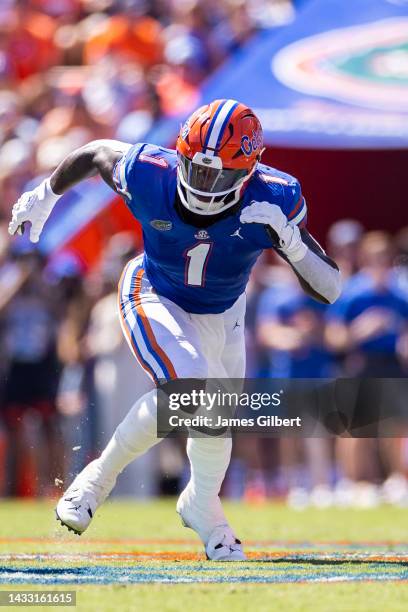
(218, 149)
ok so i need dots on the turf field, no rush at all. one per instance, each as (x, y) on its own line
(137, 556)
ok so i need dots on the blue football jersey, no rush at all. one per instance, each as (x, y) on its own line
(201, 270)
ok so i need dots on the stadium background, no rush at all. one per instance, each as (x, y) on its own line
(75, 70)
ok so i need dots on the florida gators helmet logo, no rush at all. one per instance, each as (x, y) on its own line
(251, 144)
(218, 148)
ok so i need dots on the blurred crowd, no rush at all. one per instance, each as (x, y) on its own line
(363, 335)
(75, 70)
(67, 375)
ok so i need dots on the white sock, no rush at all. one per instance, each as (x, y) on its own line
(132, 438)
(209, 460)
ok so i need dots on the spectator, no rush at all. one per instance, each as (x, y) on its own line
(343, 239)
(367, 325)
(29, 335)
(371, 316)
(290, 327)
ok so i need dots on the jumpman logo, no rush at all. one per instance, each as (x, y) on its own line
(237, 233)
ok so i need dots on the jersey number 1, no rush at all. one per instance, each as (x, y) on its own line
(197, 258)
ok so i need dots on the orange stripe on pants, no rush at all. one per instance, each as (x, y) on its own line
(147, 326)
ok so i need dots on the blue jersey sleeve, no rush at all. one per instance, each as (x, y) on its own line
(295, 205)
(287, 190)
(123, 171)
(283, 190)
(139, 175)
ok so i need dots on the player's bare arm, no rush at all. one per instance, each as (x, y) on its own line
(318, 274)
(97, 157)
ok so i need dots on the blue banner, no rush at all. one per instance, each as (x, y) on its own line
(336, 77)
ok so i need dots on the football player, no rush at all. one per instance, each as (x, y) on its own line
(207, 209)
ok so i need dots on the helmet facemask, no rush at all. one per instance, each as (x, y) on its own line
(205, 187)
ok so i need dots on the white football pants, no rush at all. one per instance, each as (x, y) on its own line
(171, 343)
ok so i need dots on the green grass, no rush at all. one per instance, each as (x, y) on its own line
(158, 519)
(242, 598)
(319, 541)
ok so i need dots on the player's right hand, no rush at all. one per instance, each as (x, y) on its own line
(34, 207)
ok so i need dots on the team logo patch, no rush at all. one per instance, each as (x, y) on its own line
(202, 235)
(162, 226)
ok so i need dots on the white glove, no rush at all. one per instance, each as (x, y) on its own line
(290, 240)
(34, 206)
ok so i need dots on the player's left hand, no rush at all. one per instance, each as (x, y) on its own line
(288, 236)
